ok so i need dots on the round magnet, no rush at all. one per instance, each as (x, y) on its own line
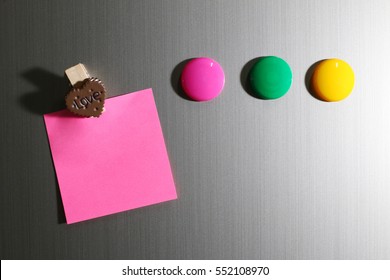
(270, 77)
(202, 79)
(332, 80)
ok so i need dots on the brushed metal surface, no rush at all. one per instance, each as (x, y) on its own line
(294, 178)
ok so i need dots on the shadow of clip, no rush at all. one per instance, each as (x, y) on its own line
(50, 93)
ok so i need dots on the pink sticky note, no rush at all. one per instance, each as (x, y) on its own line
(113, 163)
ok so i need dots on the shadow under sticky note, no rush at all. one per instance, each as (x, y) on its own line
(113, 163)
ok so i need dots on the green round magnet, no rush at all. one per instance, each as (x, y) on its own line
(270, 77)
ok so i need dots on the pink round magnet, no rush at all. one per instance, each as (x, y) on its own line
(202, 79)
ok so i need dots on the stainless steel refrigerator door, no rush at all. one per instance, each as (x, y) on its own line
(293, 178)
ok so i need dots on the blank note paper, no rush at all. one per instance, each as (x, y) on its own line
(113, 163)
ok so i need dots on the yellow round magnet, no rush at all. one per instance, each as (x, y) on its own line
(332, 80)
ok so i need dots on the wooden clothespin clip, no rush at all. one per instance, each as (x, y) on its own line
(86, 98)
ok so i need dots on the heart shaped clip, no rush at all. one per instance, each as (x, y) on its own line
(87, 96)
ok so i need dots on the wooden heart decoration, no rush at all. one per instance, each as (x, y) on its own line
(87, 100)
